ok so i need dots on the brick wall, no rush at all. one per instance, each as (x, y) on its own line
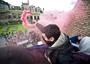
(80, 26)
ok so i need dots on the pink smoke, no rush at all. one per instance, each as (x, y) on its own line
(59, 18)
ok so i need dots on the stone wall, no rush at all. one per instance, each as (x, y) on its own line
(80, 26)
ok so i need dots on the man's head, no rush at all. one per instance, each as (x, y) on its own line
(50, 34)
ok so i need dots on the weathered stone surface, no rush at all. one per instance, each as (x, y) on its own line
(80, 26)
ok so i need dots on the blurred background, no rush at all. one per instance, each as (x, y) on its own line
(13, 33)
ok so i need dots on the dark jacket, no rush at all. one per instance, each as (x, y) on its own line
(20, 55)
(15, 55)
(66, 54)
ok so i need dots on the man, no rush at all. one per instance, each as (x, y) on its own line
(60, 50)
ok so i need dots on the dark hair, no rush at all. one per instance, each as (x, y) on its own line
(52, 30)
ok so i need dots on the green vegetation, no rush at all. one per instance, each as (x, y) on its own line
(19, 27)
(16, 11)
(4, 11)
(11, 11)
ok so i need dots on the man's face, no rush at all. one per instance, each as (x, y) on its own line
(49, 41)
